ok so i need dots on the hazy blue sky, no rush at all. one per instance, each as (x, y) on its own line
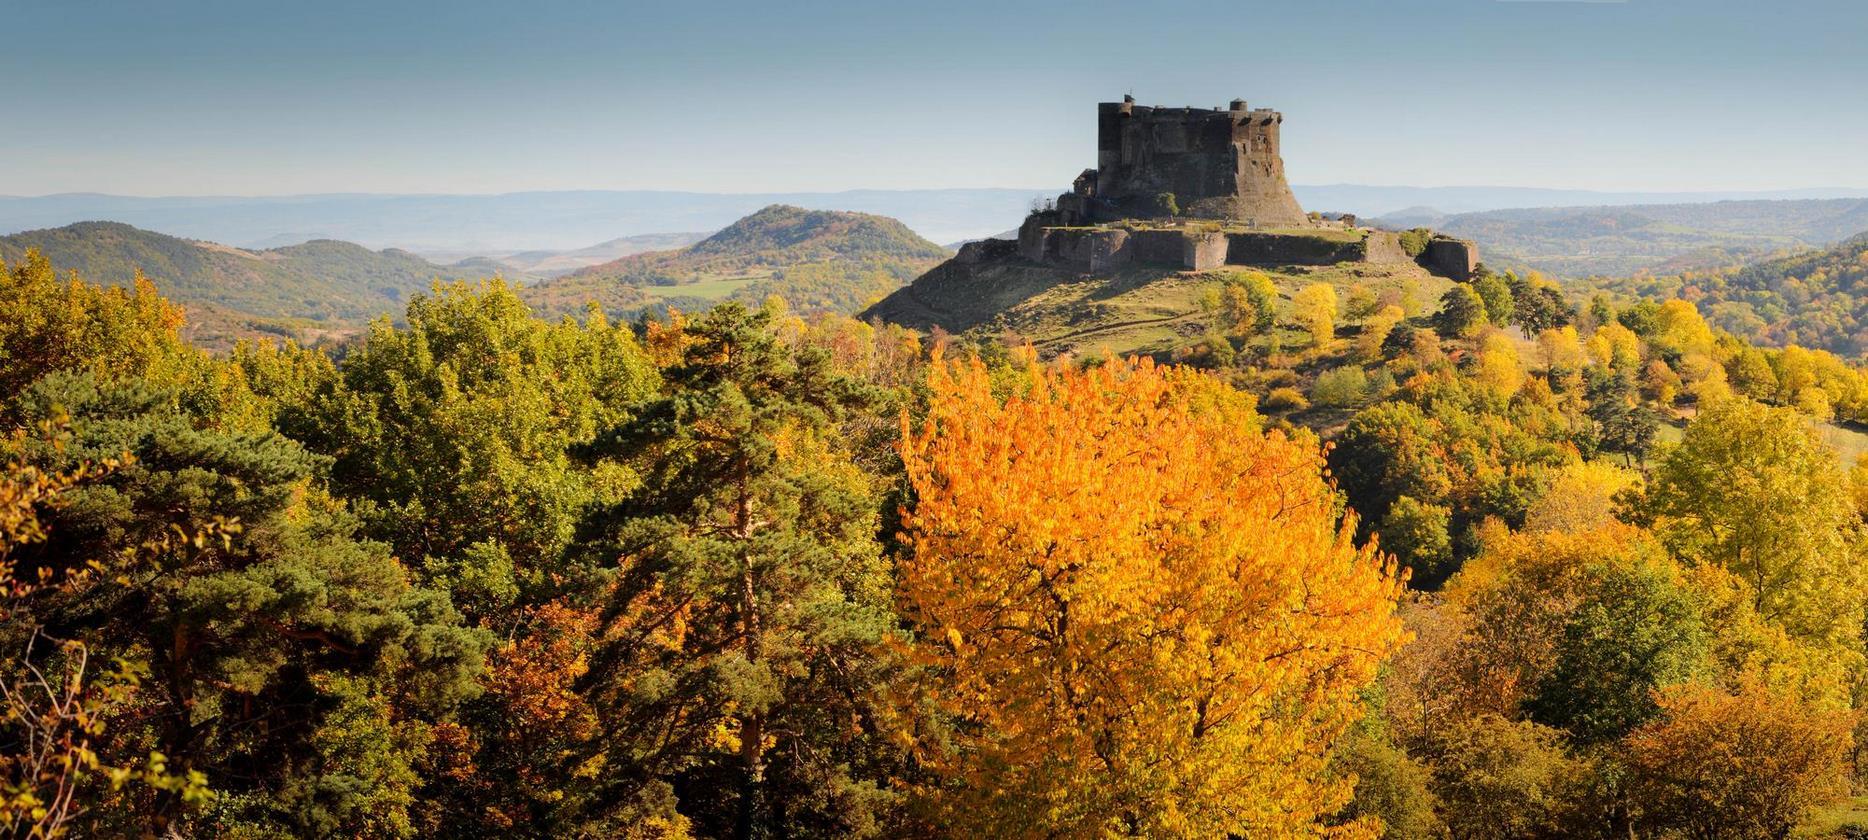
(182, 97)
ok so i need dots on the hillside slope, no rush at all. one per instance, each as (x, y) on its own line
(818, 260)
(1810, 297)
(1586, 241)
(1140, 309)
(229, 291)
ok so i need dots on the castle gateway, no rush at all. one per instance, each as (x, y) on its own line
(1218, 164)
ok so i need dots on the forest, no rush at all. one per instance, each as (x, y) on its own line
(1507, 567)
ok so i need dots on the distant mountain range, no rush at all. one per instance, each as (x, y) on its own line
(463, 226)
(1624, 240)
(486, 225)
(818, 260)
(549, 263)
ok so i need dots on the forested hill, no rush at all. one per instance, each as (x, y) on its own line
(230, 291)
(1621, 241)
(818, 260)
(1814, 298)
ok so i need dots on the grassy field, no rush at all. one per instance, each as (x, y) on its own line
(710, 287)
(1831, 822)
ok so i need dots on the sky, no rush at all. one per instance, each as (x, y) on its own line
(488, 96)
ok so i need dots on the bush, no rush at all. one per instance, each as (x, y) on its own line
(1285, 399)
(1346, 385)
(1414, 242)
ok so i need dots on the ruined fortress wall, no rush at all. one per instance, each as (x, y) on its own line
(1202, 251)
(1453, 258)
(1105, 249)
(1289, 249)
(1110, 250)
(1157, 247)
(1384, 246)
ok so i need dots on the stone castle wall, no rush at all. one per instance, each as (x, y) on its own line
(1105, 249)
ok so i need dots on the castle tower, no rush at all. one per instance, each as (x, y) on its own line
(1219, 164)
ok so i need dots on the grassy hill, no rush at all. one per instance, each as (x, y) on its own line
(818, 260)
(1141, 309)
(1618, 241)
(300, 290)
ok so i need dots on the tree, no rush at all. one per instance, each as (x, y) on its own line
(1580, 497)
(1375, 332)
(1622, 423)
(1751, 489)
(48, 325)
(284, 654)
(1417, 533)
(742, 640)
(1735, 765)
(1637, 629)
(1537, 304)
(1248, 303)
(1167, 204)
(454, 434)
(1461, 312)
(1314, 308)
(1142, 617)
(1504, 778)
(1496, 295)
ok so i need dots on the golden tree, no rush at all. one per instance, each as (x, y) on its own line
(1145, 616)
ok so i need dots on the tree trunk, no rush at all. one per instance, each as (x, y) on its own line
(752, 725)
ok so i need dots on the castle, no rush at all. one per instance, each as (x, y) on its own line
(1218, 164)
(1197, 189)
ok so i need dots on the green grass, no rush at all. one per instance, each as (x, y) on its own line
(711, 288)
(1829, 822)
(1850, 444)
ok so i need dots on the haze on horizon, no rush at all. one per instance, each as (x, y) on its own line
(212, 98)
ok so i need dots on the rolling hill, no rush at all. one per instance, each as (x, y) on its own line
(1625, 240)
(302, 290)
(1809, 297)
(818, 260)
(1139, 309)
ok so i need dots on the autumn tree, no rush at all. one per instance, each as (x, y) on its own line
(1752, 490)
(1748, 764)
(1314, 308)
(1141, 617)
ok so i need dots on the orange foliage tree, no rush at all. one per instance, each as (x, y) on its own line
(1144, 616)
(1742, 765)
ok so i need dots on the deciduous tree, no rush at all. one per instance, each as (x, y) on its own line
(1143, 617)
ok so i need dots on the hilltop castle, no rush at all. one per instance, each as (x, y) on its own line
(1197, 189)
(1218, 164)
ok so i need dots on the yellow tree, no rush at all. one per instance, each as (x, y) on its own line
(1314, 307)
(1144, 616)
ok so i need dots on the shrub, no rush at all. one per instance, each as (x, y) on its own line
(1346, 385)
(1285, 399)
